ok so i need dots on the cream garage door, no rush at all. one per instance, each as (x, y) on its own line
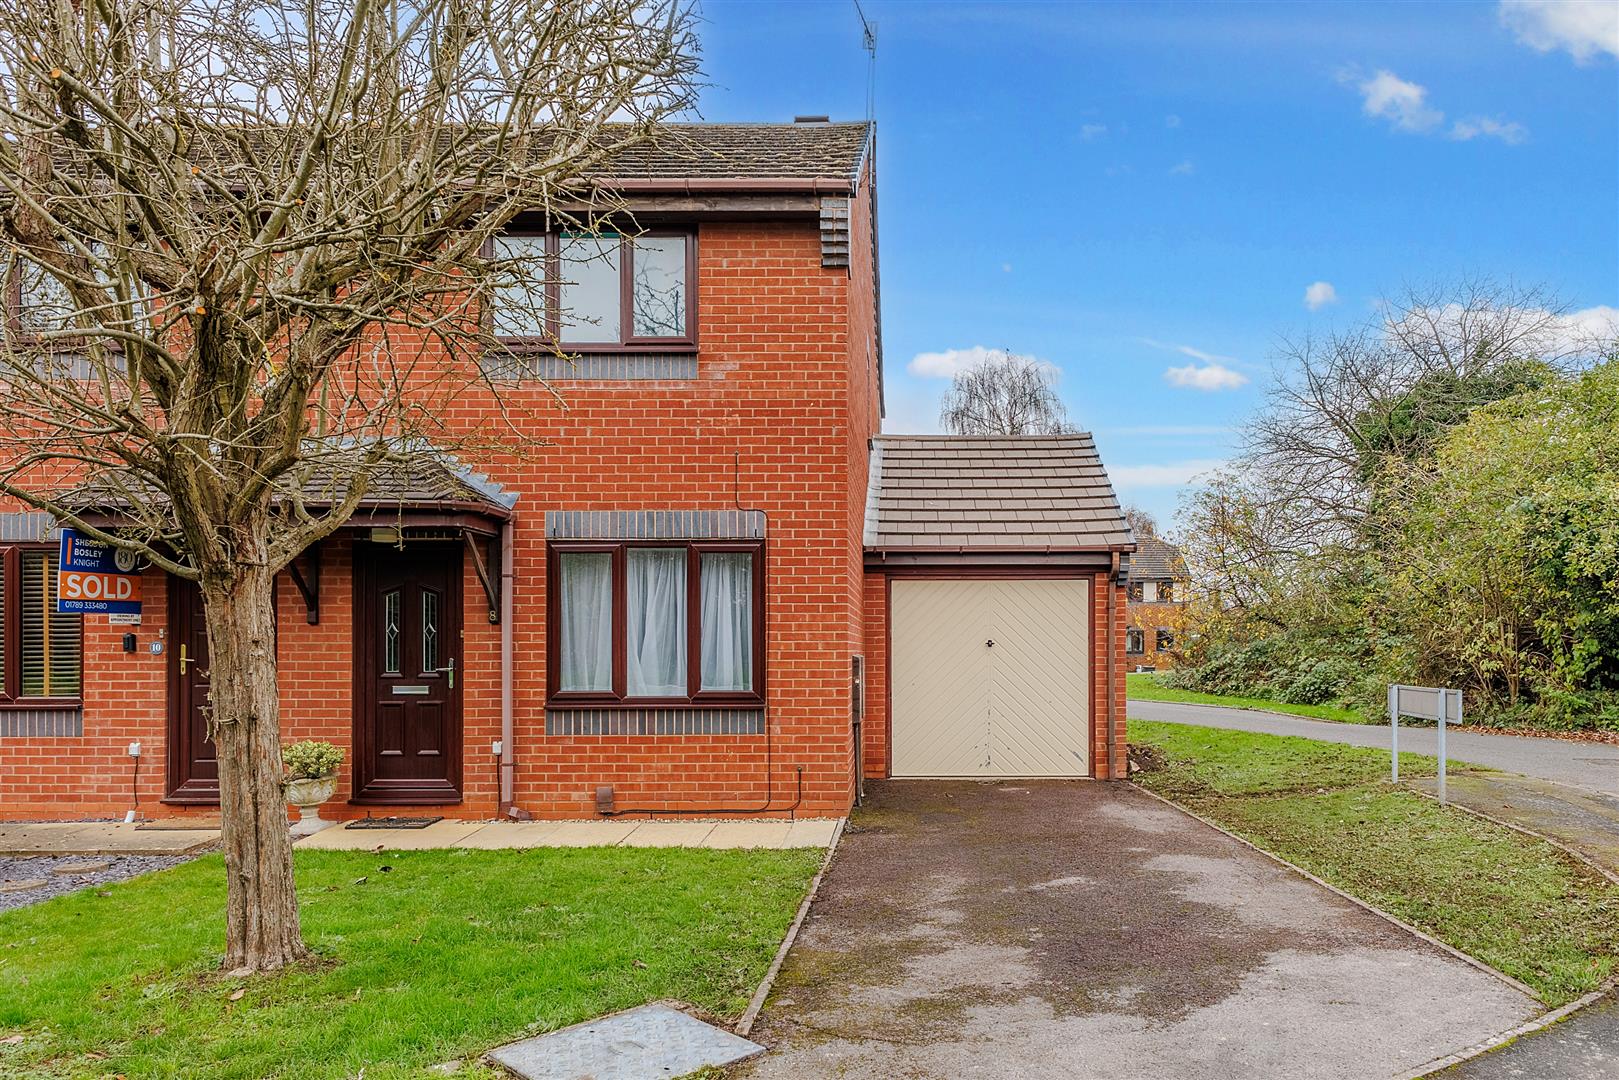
(966, 707)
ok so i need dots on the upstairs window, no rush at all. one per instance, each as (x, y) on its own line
(42, 650)
(597, 291)
(1134, 592)
(1166, 592)
(666, 623)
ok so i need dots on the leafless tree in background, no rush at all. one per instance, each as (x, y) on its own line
(1006, 394)
(1142, 522)
(234, 223)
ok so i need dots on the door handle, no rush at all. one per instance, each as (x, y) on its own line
(449, 670)
(990, 644)
(184, 658)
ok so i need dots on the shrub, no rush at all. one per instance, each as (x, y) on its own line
(310, 760)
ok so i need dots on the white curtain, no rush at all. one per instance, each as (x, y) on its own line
(727, 620)
(587, 621)
(655, 622)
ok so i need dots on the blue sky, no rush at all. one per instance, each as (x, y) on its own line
(1142, 194)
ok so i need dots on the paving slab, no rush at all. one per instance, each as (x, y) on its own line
(510, 834)
(748, 834)
(669, 834)
(814, 832)
(1585, 821)
(440, 834)
(89, 838)
(591, 833)
(649, 1041)
(1079, 929)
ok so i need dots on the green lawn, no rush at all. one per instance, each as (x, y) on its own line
(1145, 686)
(1513, 902)
(424, 957)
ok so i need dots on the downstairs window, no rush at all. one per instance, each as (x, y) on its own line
(42, 650)
(656, 623)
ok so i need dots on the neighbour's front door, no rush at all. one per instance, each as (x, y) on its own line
(407, 678)
(193, 766)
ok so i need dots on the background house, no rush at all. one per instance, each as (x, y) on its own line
(1157, 594)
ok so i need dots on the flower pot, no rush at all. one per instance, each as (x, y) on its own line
(307, 793)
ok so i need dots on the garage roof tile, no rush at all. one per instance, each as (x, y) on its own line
(1003, 493)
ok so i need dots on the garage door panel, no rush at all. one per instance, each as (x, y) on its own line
(941, 679)
(961, 708)
(1039, 700)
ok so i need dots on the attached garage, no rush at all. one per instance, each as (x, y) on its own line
(995, 638)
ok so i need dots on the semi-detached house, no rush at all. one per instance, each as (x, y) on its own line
(716, 589)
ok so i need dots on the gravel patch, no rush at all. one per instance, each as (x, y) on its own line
(62, 874)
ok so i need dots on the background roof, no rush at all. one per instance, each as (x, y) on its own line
(1155, 558)
(746, 151)
(1008, 493)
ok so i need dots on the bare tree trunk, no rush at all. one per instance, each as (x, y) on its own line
(261, 904)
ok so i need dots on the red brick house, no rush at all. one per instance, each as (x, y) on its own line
(1156, 609)
(717, 591)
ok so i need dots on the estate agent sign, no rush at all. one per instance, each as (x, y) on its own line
(96, 578)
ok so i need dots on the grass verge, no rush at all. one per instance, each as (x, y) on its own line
(424, 957)
(1145, 686)
(1517, 904)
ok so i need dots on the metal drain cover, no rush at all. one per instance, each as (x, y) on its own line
(638, 1044)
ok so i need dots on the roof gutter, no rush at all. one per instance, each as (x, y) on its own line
(820, 185)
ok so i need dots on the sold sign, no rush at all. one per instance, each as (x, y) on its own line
(93, 576)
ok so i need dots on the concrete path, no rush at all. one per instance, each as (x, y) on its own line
(100, 838)
(1052, 929)
(1594, 766)
(775, 833)
(1583, 1047)
(1584, 821)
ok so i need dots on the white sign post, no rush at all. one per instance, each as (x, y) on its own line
(1428, 703)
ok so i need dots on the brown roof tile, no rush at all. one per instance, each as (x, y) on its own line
(1011, 493)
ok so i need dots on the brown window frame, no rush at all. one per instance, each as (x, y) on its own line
(11, 634)
(1163, 640)
(695, 696)
(1133, 634)
(1136, 592)
(627, 342)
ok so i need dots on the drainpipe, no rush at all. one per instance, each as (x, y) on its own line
(507, 617)
(1112, 739)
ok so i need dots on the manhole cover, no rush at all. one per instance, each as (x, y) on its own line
(650, 1041)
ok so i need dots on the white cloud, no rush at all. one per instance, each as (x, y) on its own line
(1319, 294)
(1580, 330)
(1006, 268)
(1583, 27)
(1185, 168)
(1187, 350)
(1508, 131)
(1171, 474)
(1092, 131)
(1403, 104)
(1208, 377)
(1172, 121)
(946, 364)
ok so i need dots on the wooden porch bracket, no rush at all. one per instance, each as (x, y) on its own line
(491, 588)
(308, 588)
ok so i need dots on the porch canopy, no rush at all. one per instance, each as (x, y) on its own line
(413, 495)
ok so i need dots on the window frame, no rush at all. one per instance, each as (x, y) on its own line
(695, 696)
(1135, 634)
(1163, 640)
(11, 634)
(628, 341)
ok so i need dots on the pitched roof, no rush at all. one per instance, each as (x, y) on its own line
(746, 152)
(1002, 492)
(1156, 559)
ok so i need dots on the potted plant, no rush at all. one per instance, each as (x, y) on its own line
(311, 777)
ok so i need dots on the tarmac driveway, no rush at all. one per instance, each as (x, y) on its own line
(1083, 930)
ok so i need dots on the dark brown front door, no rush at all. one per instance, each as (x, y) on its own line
(407, 679)
(193, 767)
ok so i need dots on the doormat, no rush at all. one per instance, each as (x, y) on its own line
(392, 822)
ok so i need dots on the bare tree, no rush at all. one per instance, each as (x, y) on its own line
(1422, 362)
(1005, 394)
(1142, 522)
(233, 225)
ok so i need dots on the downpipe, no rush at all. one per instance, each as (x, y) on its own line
(1112, 672)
